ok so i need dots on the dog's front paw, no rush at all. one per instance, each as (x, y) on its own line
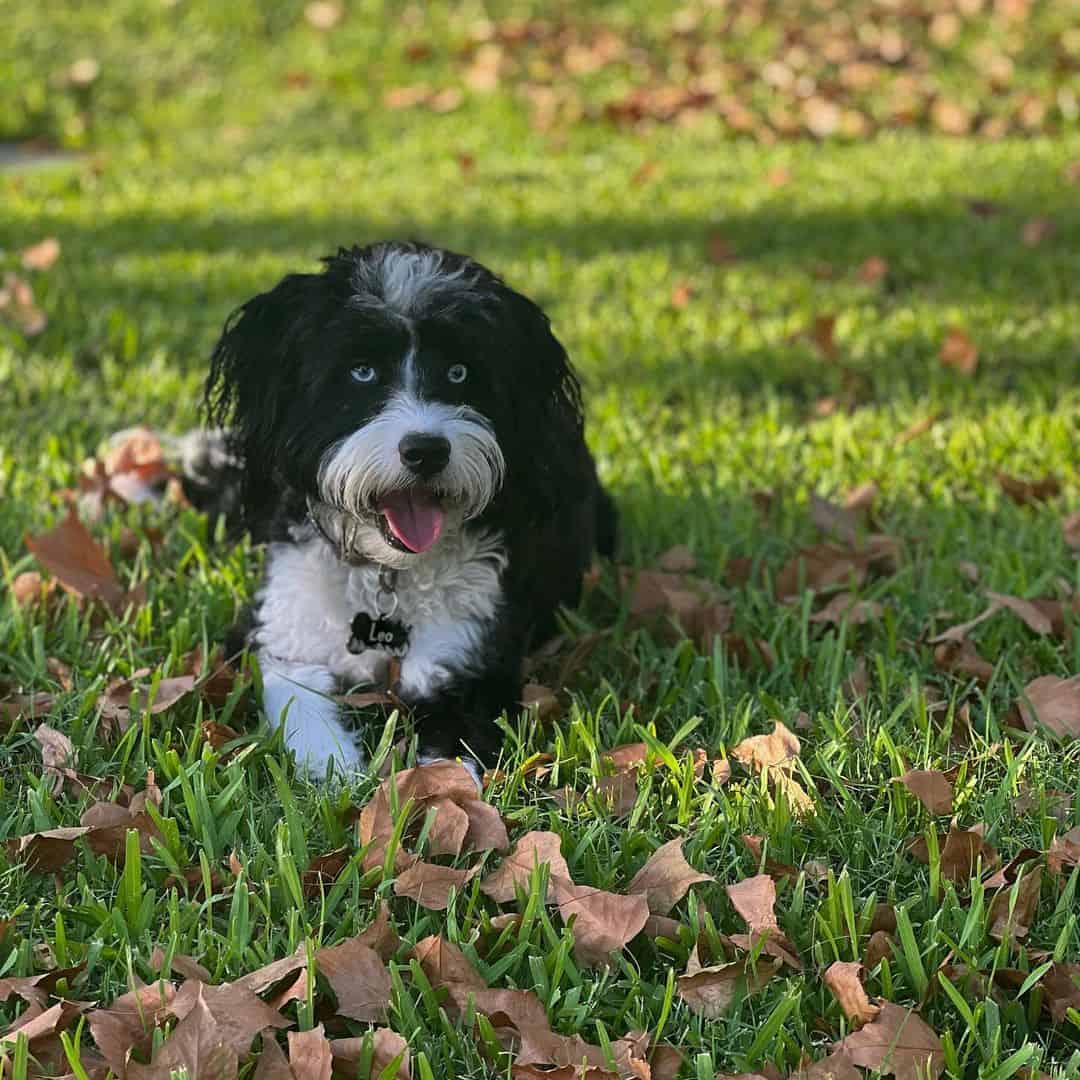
(316, 752)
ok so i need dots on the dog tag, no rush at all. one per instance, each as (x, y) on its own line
(387, 635)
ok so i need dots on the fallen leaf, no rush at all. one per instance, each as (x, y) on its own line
(1061, 990)
(388, 1046)
(899, 1042)
(604, 922)
(238, 1014)
(430, 885)
(324, 14)
(35, 989)
(196, 1044)
(820, 567)
(718, 251)
(447, 825)
(762, 752)
(959, 632)
(823, 335)
(682, 292)
(1027, 611)
(677, 560)
(1064, 851)
(1037, 231)
(310, 1056)
(1053, 703)
(963, 851)
(323, 870)
(42, 255)
(878, 947)
(107, 826)
(665, 878)
(931, 787)
(542, 699)
(837, 1066)
(710, 991)
(359, 978)
(444, 963)
(844, 980)
(959, 352)
(515, 871)
(78, 562)
(487, 830)
(1027, 493)
(914, 430)
(1015, 924)
(57, 752)
(184, 965)
(17, 305)
(754, 899)
(45, 852)
(127, 1025)
(845, 607)
(380, 934)
(263, 978)
(962, 658)
(873, 270)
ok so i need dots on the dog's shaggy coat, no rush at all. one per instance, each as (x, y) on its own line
(411, 435)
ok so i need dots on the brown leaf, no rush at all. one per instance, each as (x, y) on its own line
(387, 1045)
(872, 270)
(618, 794)
(45, 852)
(914, 430)
(718, 251)
(127, 1025)
(324, 14)
(1037, 231)
(665, 878)
(846, 607)
(1027, 611)
(430, 885)
(898, 1042)
(184, 965)
(541, 698)
(603, 922)
(1064, 851)
(57, 751)
(1061, 990)
(323, 870)
(837, 1066)
(962, 658)
(844, 980)
(359, 978)
(959, 352)
(822, 335)
(310, 1057)
(820, 567)
(1027, 493)
(444, 963)
(959, 632)
(35, 989)
(515, 871)
(677, 560)
(682, 292)
(42, 255)
(1053, 703)
(1015, 926)
(263, 978)
(761, 752)
(487, 830)
(449, 824)
(754, 899)
(272, 1064)
(196, 1044)
(238, 1014)
(79, 563)
(878, 947)
(17, 305)
(709, 991)
(962, 852)
(380, 935)
(108, 824)
(931, 787)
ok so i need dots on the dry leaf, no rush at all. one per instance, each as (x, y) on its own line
(380, 935)
(127, 1025)
(238, 1014)
(899, 1042)
(819, 568)
(761, 752)
(1037, 231)
(1061, 990)
(709, 991)
(107, 826)
(682, 292)
(1027, 611)
(962, 658)
(542, 699)
(444, 963)
(822, 335)
(430, 885)
(837, 1066)
(1064, 851)
(42, 255)
(388, 1046)
(873, 270)
(359, 978)
(1053, 703)
(718, 251)
(17, 305)
(184, 965)
(196, 1044)
(959, 352)
(960, 631)
(310, 1057)
(78, 562)
(45, 852)
(754, 899)
(324, 14)
(515, 871)
(844, 980)
(323, 870)
(677, 560)
(878, 947)
(1027, 493)
(1015, 926)
(263, 978)
(846, 607)
(931, 787)
(487, 830)
(665, 878)
(962, 853)
(603, 922)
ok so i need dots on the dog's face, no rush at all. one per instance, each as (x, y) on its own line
(403, 386)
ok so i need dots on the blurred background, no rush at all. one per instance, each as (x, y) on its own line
(831, 218)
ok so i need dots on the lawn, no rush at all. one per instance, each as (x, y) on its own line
(758, 321)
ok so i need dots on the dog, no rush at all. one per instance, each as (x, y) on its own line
(412, 444)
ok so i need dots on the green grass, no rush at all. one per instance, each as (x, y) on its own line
(207, 178)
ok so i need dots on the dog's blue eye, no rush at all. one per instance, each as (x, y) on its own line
(365, 373)
(457, 372)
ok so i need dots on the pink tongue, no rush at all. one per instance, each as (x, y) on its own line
(414, 518)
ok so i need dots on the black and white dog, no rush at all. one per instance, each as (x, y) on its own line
(411, 438)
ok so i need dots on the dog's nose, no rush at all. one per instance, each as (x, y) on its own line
(424, 455)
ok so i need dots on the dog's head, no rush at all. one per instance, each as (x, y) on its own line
(406, 386)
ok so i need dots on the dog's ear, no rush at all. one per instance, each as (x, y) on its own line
(252, 370)
(544, 440)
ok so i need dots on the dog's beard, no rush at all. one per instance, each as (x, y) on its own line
(362, 475)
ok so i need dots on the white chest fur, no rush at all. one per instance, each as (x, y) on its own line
(447, 599)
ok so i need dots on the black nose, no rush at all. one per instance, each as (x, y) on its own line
(425, 455)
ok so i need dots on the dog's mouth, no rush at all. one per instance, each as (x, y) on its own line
(410, 519)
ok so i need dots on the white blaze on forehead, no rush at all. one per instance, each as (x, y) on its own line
(407, 282)
(367, 463)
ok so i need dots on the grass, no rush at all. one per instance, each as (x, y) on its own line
(206, 178)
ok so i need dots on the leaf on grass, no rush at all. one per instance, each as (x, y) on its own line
(677, 560)
(1053, 703)
(184, 965)
(542, 700)
(604, 922)
(515, 871)
(899, 1042)
(238, 1014)
(45, 852)
(962, 658)
(872, 270)
(107, 826)
(430, 885)
(79, 563)
(879, 946)
(35, 989)
(42, 255)
(444, 963)
(387, 1046)
(761, 752)
(754, 899)
(963, 851)
(127, 1025)
(448, 825)
(837, 1066)
(618, 794)
(1037, 231)
(519, 1009)
(1064, 851)
(125, 698)
(958, 634)
(18, 307)
(323, 870)
(310, 1055)
(1028, 493)
(1061, 990)
(844, 980)
(487, 830)
(819, 568)
(1016, 923)
(263, 978)
(822, 334)
(57, 752)
(380, 934)
(196, 1044)
(959, 352)
(665, 878)
(845, 607)
(931, 787)
(359, 978)
(710, 991)
(1027, 611)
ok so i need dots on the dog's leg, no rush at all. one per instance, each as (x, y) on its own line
(298, 697)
